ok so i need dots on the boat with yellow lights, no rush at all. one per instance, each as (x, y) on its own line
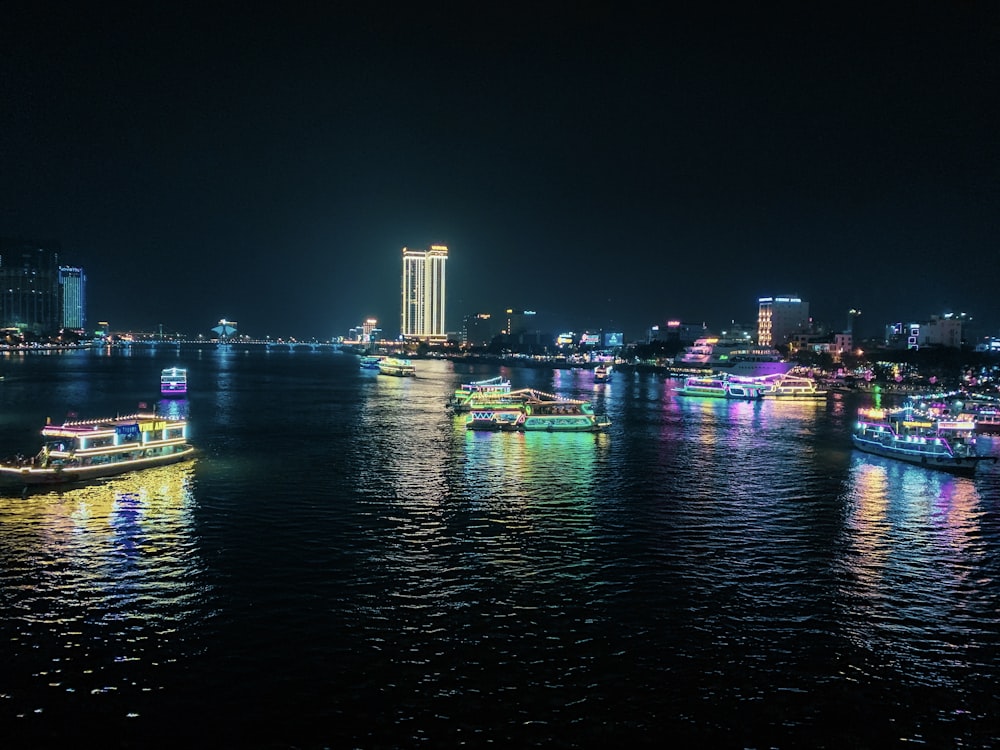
(944, 444)
(785, 386)
(397, 366)
(78, 451)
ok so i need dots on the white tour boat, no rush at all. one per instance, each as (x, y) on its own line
(77, 451)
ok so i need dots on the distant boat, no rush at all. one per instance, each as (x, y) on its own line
(78, 451)
(602, 373)
(397, 366)
(714, 355)
(173, 382)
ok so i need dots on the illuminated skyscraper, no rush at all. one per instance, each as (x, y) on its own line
(74, 297)
(29, 277)
(780, 317)
(424, 293)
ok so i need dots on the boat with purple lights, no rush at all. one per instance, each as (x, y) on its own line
(173, 382)
(943, 444)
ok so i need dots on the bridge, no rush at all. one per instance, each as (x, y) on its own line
(235, 344)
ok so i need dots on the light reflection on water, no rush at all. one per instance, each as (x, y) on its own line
(98, 574)
(354, 558)
(918, 586)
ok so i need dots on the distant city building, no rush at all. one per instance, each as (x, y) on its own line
(519, 321)
(477, 329)
(836, 344)
(73, 282)
(423, 308)
(778, 318)
(675, 332)
(30, 298)
(366, 332)
(938, 331)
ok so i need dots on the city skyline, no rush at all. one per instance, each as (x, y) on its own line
(610, 168)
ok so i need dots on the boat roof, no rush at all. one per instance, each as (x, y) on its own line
(106, 423)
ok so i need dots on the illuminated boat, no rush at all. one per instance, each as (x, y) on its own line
(528, 410)
(501, 417)
(370, 361)
(730, 356)
(79, 451)
(468, 392)
(173, 382)
(397, 366)
(722, 387)
(562, 415)
(602, 373)
(791, 387)
(945, 444)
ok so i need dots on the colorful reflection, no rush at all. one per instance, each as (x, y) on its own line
(912, 542)
(124, 547)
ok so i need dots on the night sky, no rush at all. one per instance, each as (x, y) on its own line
(611, 168)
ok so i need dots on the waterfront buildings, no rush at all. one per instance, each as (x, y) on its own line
(778, 318)
(943, 330)
(423, 304)
(31, 298)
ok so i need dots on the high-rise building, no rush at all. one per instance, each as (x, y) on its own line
(477, 329)
(778, 318)
(29, 286)
(422, 315)
(74, 297)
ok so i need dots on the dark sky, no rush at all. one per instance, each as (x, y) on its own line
(609, 168)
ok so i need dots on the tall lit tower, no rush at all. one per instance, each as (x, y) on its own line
(73, 282)
(423, 293)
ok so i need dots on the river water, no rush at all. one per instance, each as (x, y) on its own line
(344, 565)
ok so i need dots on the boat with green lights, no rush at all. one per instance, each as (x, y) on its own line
(528, 410)
(478, 391)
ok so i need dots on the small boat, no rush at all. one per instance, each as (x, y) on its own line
(370, 361)
(722, 387)
(602, 373)
(78, 451)
(397, 366)
(791, 387)
(173, 382)
(468, 392)
(946, 444)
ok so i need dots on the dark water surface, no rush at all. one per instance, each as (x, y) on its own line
(344, 565)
